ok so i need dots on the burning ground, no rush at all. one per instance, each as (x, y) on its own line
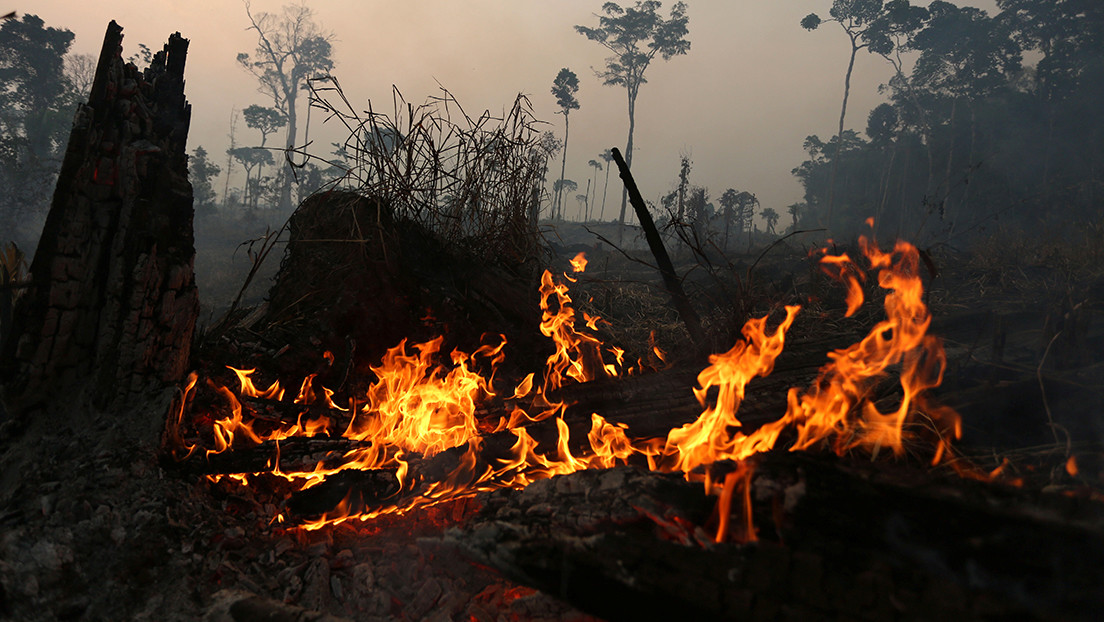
(855, 524)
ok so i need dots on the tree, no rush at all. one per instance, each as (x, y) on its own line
(857, 18)
(636, 35)
(32, 72)
(607, 157)
(80, 69)
(684, 184)
(291, 48)
(597, 166)
(794, 209)
(771, 217)
(739, 207)
(36, 115)
(200, 172)
(964, 56)
(561, 186)
(546, 147)
(564, 88)
(251, 158)
(264, 120)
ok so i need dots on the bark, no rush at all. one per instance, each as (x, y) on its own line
(113, 302)
(836, 540)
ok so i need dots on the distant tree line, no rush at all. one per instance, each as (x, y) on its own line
(40, 86)
(973, 134)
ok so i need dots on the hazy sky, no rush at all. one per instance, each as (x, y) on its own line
(741, 102)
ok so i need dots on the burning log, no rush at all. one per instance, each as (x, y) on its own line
(295, 453)
(112, 304)
(834, 538)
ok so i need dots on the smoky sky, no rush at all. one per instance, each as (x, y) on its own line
(740, 104)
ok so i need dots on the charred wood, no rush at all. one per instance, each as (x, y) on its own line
(869, 541)
(112, 304)
(290, 454)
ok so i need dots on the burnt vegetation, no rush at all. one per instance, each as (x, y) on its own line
(963, 477)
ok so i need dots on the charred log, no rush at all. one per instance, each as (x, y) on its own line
(112, 304)
(835, 540)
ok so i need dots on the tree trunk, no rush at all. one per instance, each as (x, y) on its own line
(558, 208)
(113, 302)
(628, 164)
(602, 214)
(285, 167)
(944, 204)
(839, 135)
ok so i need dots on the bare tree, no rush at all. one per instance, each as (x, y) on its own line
(80, 69)
(291, 48)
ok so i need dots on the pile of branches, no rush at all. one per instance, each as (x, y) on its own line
(474, 182)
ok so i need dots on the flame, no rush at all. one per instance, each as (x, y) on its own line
(419, 406)
(578, 355)
(578, 263)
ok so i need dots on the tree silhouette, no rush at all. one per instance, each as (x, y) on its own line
(200, 172)
(266, 121)
(857, 18)
(547, 146)
(794, 210)
(251, 158)
(771, 217)
(607, 157)
(597, 166)
(36, 114)
(564, 88)
(636, 35)
(290, 49)
(562, 186)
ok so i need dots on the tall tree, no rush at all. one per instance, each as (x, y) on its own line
(728, 201)
(965, 56)
(564, 88)
(771, 217)
(200, 172)
(264, 120)
(79, 71)
(607, 157)
(857, 18)
(291, 48)
(636, 35)
(251, 158)
(36, 113)
(563, 186)
(547, 146)
(794, 209)
(597, 166)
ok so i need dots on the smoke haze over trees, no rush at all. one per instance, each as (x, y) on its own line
(989, 118)
(993, 119)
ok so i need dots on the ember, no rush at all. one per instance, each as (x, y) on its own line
(419, 406)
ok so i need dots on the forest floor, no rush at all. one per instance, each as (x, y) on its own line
(97, 530)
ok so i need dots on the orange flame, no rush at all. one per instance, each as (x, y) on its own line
(420, 407)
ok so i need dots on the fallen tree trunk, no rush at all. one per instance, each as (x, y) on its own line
(836, 539)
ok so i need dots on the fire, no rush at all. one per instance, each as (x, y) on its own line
(419, 406)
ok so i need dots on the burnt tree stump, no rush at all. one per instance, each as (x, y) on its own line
(113, 303)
